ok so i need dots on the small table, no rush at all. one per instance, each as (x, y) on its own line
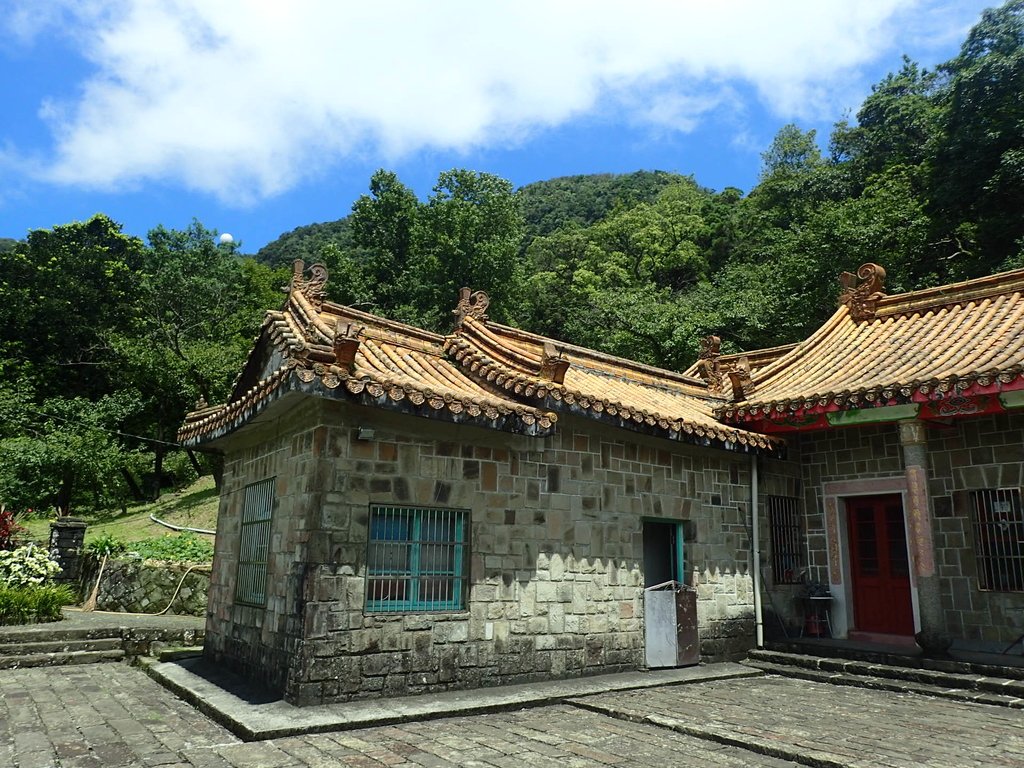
(817, 616)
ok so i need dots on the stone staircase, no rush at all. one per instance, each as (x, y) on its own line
(38, 647)
(952, 679)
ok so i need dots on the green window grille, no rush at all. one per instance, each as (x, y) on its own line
(416, 560)
(787, 538)
(254, 545)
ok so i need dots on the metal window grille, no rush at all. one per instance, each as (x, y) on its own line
(416, 559)
(257, 510)
(999, 539)
(787, 538)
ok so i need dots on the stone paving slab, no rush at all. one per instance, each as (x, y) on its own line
(96, 716)
(826, 725)
(253, 714)
(114, 716)
(556, 735)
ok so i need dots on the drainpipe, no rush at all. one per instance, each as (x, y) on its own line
(756, 536)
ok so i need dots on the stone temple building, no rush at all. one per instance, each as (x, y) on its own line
(403, 511)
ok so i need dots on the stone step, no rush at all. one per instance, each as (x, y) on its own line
(954, 666)
(8, 650)
(162, 652)
(54, 631)
(60, 659)
(964, 687)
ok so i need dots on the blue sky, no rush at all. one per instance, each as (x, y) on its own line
(258, 116)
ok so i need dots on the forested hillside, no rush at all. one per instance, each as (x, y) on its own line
(103, 336)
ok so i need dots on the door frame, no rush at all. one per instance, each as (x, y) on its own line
(838, 544)
(878, 597)
(679, 554)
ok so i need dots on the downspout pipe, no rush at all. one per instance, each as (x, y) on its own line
(756, 545)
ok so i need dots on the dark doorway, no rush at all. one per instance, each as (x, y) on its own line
(879, 566)
(663, 553)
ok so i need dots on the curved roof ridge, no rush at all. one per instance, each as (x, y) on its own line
(492, 344)
(384, 324)
(585, 353)
(924, 299)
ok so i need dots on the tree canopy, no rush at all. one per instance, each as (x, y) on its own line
(106, 340)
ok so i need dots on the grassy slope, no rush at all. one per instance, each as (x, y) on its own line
(194, 506)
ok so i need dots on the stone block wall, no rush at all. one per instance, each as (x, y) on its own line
(556, 550)
(853, 453)
(136, 586)
(968, 454)
(976, 454)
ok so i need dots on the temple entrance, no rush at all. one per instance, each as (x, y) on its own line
(879, 565)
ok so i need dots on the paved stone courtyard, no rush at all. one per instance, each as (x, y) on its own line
(106, 716)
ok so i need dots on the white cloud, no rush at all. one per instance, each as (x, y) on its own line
(245, 98)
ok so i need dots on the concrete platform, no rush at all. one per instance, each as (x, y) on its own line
(253, 715)
(77, 621)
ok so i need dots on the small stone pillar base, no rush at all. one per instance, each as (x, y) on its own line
(67, 537)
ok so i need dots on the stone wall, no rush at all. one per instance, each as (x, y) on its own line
(136, 586)
(556, 552)
(969, 454)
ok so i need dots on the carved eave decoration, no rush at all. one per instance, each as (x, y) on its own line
(709, 367)
(712, 370)
(739, 377)
(471, 304)
(314, 287)
(346, 344)
(862, 299)
(943, 397)
(553, 365)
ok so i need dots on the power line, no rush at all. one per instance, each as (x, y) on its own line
(105, 429)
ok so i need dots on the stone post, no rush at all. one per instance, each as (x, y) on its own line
(67, 536)
(932, 638)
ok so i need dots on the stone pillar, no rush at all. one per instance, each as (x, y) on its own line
(67, 536)
(932, 638)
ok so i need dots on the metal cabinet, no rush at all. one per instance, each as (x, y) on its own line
(670, 625)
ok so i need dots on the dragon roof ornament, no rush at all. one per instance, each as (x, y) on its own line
(471, 304)
(862, 299)
(713, 371)
(314, 288)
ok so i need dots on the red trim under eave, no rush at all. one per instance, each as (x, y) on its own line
(974, 400)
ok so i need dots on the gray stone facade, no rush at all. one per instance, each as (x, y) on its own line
(556, 569)
(967, 455)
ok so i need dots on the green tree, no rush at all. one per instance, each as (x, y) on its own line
(468, 234)
(63, 450)
(199, 306)
(978, 170)
(380, 271)
(65, 289)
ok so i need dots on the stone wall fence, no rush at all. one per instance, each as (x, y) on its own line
(147, 586)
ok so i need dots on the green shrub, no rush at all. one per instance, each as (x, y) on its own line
(105, 544)
(34, 602)
(50, 598)
(180, 548)
(26, 566)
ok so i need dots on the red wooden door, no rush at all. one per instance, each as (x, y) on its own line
(879, 565)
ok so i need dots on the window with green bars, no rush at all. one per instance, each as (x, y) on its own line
(254, 544)
(417, 559)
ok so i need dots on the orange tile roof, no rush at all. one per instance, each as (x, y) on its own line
(597, 385)
(488, 373)
(928, 342)
(299, 349)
